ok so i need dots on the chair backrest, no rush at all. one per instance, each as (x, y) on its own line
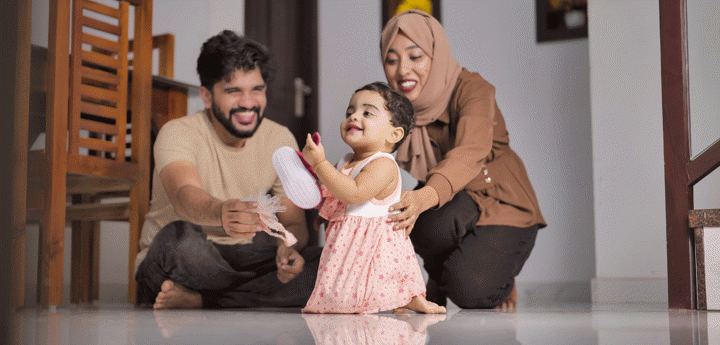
(165, 45)
(98, 120)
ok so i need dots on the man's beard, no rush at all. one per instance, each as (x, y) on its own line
(227, 121)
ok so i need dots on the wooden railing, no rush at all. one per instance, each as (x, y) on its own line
(682, 171)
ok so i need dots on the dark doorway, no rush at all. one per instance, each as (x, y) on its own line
(289, 29)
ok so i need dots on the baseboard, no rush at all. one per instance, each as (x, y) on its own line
(111, 293)
(553, 293)
(629, 291)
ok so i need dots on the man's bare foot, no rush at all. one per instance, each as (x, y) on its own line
(174, 296)
(510, 302)
(419, 304)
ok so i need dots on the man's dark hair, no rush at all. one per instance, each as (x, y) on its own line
(227, 52)
(401, 109)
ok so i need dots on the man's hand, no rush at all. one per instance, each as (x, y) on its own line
(240, 220)
(289, 263)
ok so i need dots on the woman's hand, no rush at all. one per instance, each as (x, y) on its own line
(289, 263)
(411, 204)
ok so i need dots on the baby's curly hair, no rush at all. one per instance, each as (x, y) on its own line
(227, 52)
(401, 109)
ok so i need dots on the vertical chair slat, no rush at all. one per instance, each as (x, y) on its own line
(122, 87)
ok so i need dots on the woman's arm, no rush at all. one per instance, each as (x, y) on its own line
(474, 115)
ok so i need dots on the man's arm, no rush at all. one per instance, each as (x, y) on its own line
(182, 185)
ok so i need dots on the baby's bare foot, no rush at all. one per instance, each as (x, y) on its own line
(421, 305)
(401, 311)
(174, 296)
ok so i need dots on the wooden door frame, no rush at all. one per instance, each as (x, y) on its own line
(682, 171)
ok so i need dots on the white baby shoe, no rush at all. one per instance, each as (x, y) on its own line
(297, 177)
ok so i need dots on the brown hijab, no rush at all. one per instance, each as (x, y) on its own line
(416, 154)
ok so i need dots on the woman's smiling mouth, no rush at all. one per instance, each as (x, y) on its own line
(407, 85)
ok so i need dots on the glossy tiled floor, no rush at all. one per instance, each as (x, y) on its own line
(569, 324)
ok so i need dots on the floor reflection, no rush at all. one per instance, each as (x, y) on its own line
(331, 329)
(575, 324)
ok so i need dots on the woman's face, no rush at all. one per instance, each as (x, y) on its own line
(407, 67)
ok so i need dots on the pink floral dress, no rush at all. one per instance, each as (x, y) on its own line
(365, 266)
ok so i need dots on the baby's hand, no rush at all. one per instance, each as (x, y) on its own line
(313, 152)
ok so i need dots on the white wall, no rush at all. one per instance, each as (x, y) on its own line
(349, 58)
(627, 139)
(192, 22)
(704, 79)
(704, 72)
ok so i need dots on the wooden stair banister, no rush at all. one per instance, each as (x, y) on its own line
(682, 172)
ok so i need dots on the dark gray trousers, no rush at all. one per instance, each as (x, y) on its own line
(475, 266)
(226, 276)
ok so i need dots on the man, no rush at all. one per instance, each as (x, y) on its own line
(202, 246)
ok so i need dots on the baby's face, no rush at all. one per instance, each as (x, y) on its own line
(367, 122)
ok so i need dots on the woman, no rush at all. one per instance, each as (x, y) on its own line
(474, 216)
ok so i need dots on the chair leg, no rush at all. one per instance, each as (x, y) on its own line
(52, 234)
(133, 237)
(138, 208)
(95, 285)
(84, 268)
(18, 268)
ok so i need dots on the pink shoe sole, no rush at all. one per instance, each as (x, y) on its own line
(300, 185)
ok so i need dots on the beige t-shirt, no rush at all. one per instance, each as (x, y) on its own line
(225, 172)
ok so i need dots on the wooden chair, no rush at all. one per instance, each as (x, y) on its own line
(165, 45)
(85, 157)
